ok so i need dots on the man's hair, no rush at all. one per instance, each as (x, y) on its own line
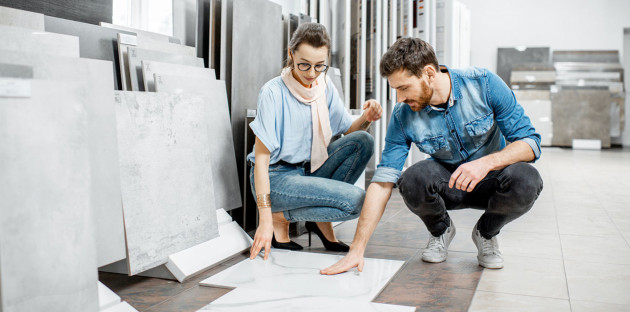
(412, 54)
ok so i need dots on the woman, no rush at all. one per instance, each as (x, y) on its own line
(298, 174)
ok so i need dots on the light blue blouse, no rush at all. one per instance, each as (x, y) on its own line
(284, 124)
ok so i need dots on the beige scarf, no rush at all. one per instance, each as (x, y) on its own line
(316, 94)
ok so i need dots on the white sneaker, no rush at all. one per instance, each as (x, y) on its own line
(488, 254)
(437, 247)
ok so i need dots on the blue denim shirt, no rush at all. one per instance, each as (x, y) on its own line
(482, 115)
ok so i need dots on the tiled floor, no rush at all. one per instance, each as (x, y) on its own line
(569, 253)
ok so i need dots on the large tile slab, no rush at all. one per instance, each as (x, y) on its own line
(141, 41)
(16, 71)
(96, 77)
(589, 281)
(603, 56)
(604, 249)
(226, 186)
(536, 277)
(25, 40)
(150, 68)
(248, 77)
(47, 252)
(135, 56)
(298, 273)
(95, 42)
(490, 302)
(507, 57)
(580, 114)
(166, 175)
(93, 11)
(244, 299)
(589, 306)
(21, 18)
(147, 34)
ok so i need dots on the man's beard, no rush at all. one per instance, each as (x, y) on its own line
(423, 98)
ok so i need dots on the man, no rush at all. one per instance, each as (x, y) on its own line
(462, 118)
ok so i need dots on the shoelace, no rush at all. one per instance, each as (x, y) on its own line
(488, 247)
(435, 243)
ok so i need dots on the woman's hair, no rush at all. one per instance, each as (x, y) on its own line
(412, 54)
(313, 34)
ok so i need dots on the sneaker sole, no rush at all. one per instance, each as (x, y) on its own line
(490, 265)
(433, 260)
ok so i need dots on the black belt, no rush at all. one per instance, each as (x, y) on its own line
(300, 164)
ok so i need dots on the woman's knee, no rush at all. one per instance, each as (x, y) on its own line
(353, 203)
(364, 141)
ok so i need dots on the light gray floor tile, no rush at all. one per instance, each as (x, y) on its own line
(589, 306)
(601, 249)
(588, 281)
(491, 302)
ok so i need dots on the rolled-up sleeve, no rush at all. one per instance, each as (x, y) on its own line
(510, 116)
(394, 154)
(264, 126)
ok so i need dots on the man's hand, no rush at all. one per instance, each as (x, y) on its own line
(467, 175)
(372, 110)
(262, 239)
(351, 260)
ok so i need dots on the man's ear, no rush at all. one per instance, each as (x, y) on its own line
(429, 70)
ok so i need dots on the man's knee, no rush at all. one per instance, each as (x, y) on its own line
(419, 180)
(525, 182)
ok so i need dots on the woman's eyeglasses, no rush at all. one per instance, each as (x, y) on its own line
(306, 67)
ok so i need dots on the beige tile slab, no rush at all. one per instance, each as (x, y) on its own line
(589, 306)
(535, 221)
(610, 249)
(527, 276)
(21, 18)
(586, 221)
(492, 302)
(536, 245)
(589, 281)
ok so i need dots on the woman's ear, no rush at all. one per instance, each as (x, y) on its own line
(290, 57)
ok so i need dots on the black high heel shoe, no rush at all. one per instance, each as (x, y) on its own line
(332, 246)
(291, 245)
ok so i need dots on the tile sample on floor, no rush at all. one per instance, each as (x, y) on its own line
(248, 77)
(244, 299)
(225, 175)
(298, 273)
(140, 41)
(47, 243)
(580, 114)
(166, 175)
(106, 297)
(25, 40)
(96, 77)
(136, 55)
(95, 42)
(21, 18)
(150, 68)
(121, 307)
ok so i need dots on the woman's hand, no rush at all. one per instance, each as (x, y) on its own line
(262, 238)
(372, 110)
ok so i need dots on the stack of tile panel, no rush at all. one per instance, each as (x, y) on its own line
(513, 56)
(592, 72)
(537, 106)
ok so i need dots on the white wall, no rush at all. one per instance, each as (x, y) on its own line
(558, 24)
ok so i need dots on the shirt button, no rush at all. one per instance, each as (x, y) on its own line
(447, 112)
(452, 131)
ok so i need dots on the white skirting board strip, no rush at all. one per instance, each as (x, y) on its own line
(189, 262)
(587, 144)
(121, 307)
(106, 297)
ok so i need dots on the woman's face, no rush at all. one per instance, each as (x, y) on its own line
(308, 63)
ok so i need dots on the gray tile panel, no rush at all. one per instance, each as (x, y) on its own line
(255, 60)
(143, 33)
(166, 175)
(225, 174)
(150, 68)
(604, 56)
(580, 114)
(15, 71)
(95, 42)
(21, 18)
(136, 56)
(25, 40)
(47, 243)
(508, 57)
(96, 76)
(93, 11)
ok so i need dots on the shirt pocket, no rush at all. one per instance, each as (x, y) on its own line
(479, 129)
(436, 146)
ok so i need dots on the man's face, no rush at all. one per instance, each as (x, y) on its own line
(410, 89)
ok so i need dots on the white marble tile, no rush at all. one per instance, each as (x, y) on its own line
(26, 40)
(136, 55)
(588, 281)
(491, 302)
(298, 273)
(106, 297)
(245, 299)
(121, 307)
(21, 18)
(166, 175)
(96, 77)
(47, 242)
(151, 68)
(590, 306)
(144, 42)
(226, 187)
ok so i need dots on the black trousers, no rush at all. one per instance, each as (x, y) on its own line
(504, 194)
